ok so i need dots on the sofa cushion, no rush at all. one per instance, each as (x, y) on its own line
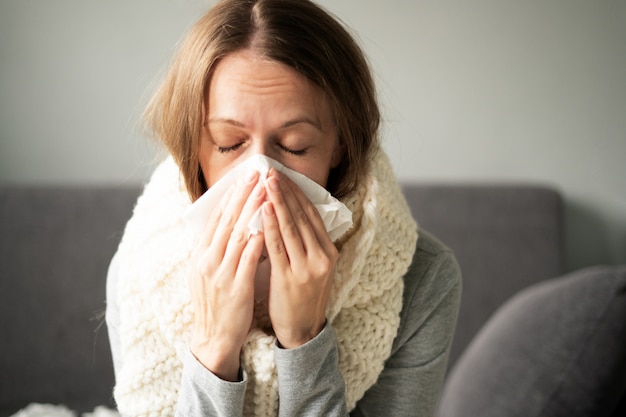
(556, 349)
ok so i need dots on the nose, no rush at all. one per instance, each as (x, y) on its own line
(260, 147)
(265, 148)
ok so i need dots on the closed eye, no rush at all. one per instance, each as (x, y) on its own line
(226, 149)
(297, 152)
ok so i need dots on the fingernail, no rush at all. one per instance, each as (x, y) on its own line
(258, 190)
(251, 176)
(273, 183)
(268, 209)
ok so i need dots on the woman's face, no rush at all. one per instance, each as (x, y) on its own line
(256, 106)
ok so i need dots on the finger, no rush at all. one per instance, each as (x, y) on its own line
(313, 217)
(231, 213)
(291, 221)
(256, 198)
(249, 260)
(309, 223)
(273, 240)
(240, 235)
(208, 231)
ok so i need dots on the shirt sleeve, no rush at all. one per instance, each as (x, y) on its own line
(201, 392)
(309, 380)
(411, 381)
(309, 384)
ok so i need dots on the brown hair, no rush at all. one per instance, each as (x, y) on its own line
(297, 33)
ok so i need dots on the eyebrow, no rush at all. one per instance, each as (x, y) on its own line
(289, 123)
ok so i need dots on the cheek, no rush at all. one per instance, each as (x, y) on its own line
(213, 168)
(317, 170)
(317, 166)
(330, 159)
(320, 176)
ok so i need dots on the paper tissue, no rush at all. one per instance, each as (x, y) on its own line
(336, 216)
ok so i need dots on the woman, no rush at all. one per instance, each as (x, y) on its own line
(361, 325)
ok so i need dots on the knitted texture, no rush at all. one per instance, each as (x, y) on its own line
(156, 312)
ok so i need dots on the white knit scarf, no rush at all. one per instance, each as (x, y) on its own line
(156, 313)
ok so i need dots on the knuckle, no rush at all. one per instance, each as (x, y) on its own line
(219, 285)
(207, 260)
(238, 237)
(249, 256)
(246, 257)
(333, 254)
(301, 217)
(206, 265)
(278, 246)
(228, 218)
(327, 263)
(324, 266)
(311, 209)
(290, 229)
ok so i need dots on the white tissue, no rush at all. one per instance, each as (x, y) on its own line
(336, 216)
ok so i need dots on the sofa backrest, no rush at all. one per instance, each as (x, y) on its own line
(56, 244)
(505, 238)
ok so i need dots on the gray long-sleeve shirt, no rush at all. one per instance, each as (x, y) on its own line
(309, 380)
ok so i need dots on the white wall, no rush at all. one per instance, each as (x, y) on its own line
(491, 90)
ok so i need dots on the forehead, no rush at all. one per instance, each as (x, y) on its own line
(244, 82)
(251, 68)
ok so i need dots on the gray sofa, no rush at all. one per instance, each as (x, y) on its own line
(530, 341)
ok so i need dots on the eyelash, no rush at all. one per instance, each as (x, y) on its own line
(222, 149)
(298, 152)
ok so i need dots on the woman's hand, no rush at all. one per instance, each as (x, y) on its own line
(222, 290)
(303, 262)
